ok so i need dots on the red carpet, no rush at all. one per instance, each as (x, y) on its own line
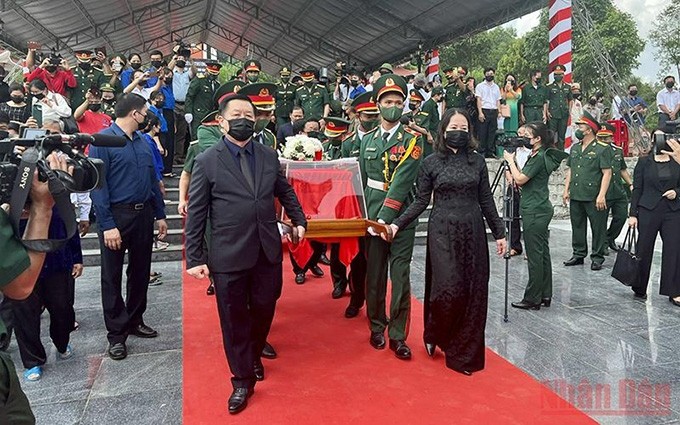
(327, 373)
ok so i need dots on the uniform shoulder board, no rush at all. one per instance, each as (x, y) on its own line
(269, 131)
(373, 130)
(424, 113)
(602, 143)
(321, 86)
(299, 88)
(614, 146)
(412, 132)
(193, 142)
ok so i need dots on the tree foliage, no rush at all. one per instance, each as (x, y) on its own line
(665, 37)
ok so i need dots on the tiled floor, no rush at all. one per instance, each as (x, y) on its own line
(614, 357)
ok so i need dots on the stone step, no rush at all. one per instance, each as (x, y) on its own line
(170, 183)
(172, 194)
(91, 240)
(91, 257)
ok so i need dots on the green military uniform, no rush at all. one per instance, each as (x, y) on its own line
(537, 211)
(533, 101)
(389, 163)
(311, 96)
(262, 96)
(14, 406)
(431, 108)
(200, 100)
(617, 195)
(363, 104)
(337, 131)
(252, 70)
(285, 98)
(587, 165)
(85, 79)
(108, 108)
(455, 97)
(559, 96)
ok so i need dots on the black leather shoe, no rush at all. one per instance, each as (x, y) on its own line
(430, 348)
(324, 260)
(339, 290)
(464, 372)
(118, 351)
(378, 340)
(675, 303)
(268, 351)
(351, 311)
(400, 349)
(525, 305)
(300, 278)
(316, 271)
(573, 261)
(595, 266)
(639, 295)
(613, 246)
(546, 302)
(259, 370)
(143, 331)
(239, 399)
(210, 290)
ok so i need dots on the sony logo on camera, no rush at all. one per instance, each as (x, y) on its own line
(24, 177)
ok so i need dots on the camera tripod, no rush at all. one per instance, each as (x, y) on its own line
(508, 219)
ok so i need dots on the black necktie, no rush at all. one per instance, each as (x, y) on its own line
(245, 168)
(385, 136)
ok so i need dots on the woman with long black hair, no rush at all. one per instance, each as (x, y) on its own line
(457, 262)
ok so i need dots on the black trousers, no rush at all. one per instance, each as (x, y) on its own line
(650, 223)
(515, 228)
(246, 301)
(486, 133)
(357, 276)
(338, 270)
(169, 142)
(136, 231)
(56, 292)
(319, 249)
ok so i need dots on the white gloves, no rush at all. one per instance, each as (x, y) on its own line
(372, 231)
(188, 118)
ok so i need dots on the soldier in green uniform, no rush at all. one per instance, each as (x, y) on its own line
(108, 100)
(419, 120)
(389, 159)
(200, 101)
(313, 97)
(262, 96)
(536, 210)
(252, 69)
(559, 102)
(431, 107)
(617, 195)
(86, 77)
(456, 88)
(285, 98)
(533, 106)
(587, 182)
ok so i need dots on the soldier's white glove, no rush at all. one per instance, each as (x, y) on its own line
(372, 231)
(188, 118)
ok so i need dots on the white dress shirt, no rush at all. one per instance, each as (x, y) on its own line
(490, 94)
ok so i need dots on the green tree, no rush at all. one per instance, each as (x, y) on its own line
(665, 38)
(513, 61)
(478, 51)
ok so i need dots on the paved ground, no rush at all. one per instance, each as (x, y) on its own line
(612, 356)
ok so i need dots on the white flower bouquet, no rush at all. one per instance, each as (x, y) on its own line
(302, 148)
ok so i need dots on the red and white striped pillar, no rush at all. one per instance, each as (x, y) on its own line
(559, 14)
(433, 66)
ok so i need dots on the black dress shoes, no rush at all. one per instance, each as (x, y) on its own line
(612, 245)
(118, 351)
(546, 301)
(268, 351)
(378, 340)
(258, 369)
(351, 311)
(324, 260)
(401, 350)
(595, 266)
(526, 305)
(573, 261)
(299, 278)
(239, 399)
(316, 271)
(464, 372)
(640, 295)
(210, 290)
(143, 331)
(339, 289)
(430, 348)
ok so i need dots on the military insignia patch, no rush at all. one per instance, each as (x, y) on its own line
(264, 92)
(400, 136)
(389, 82)
(416, 152)
(237, 88)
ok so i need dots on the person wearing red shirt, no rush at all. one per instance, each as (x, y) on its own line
(58, 78)
(89, 116)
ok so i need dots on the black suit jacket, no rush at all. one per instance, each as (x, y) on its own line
(648, 189)
(242, 220)
(286, 130)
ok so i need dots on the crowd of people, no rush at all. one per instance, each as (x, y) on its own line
(417, 142)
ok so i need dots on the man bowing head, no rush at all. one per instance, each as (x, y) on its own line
(234, 184)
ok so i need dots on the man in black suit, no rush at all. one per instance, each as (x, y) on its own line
(234, 183)
(286, 130)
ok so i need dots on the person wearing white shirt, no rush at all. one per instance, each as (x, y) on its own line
(668, 101)
(83, 205)
(182, 76)
(488, 103)
(138, 84)
(47, 105)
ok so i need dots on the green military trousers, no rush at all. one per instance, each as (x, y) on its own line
(538, 256)
(559, 126)
(14, 407)
(619, 211)
(533, 114)
(398, 254)
(580, 213)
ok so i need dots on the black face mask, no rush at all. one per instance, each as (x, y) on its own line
(39, 96)
(135, 65)
(670, 84)
(145, 123)
(241, 129)
(168, 81)
(51, 69)
(457, 139)
(354, 83)
(314, 134)
(94, 107)
(538, 81)
(633, 92)
(181, 64)
(156, 64)
(593, 102)
(577, 96)
(85, 66)
(489, 78)
(108, 101)
(17, 99)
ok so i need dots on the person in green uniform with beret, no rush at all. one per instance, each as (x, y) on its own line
(456, 88)
(536, 210)
(419, 120)
(285, 98)
(200, 101)
(559, 105)
(262, 96)
(617, 195)
(533, 106)
(86, 77)
(313, 97)
(585, 189)
(431, 108)
(389, 159)
(252, 69)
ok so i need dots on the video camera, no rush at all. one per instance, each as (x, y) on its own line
(670, 131)
(182, 49)
(510, 144)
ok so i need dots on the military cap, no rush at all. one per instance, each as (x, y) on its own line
(559, 69)
(415, 96)
(210, 119)
(252, 65)
(107, 87)
(437, 90)
(308, 74)
(588, 120)
(575, 87)
(606, 130)
(389, 83)
(387, 66)
(365, 103)
(284, 71)
(335, 126)
(83, 55)
(227, 89)
(261, 94)
(212, 67)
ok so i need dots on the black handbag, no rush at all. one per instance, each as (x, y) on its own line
(627, 266)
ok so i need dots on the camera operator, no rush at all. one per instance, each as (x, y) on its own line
(537, 210)
(19, 270)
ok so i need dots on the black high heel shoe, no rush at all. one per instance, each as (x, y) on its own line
(430, 348)
(546, 302)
